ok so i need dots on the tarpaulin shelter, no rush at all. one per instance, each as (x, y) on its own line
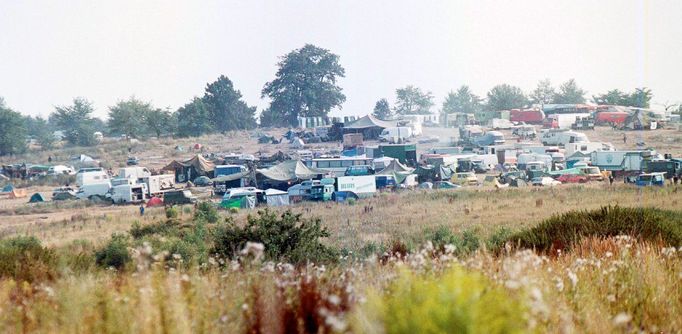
(154, 201)
(36, 198)
(369, 126)
(397, 170)
(638, 120)
(435, 173)
(292, 170)
(243, 202)
(191, 169)
(8, 188)
(274, 197)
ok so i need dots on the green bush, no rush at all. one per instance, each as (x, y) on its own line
(115, 253)
(171, 212)
(286, 237)
(457, 302)
(563, 231)
(497, 240)
(207, 212)
(440, 236)
(25, 259)
(168, 227)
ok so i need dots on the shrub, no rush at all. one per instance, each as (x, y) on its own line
(169, 227)
(25, 259)
(286, 237)
(114, 254)
(563, 231)
(207, 212)
(497, 240)
(457, 302)
(171, 212)
(466, 243)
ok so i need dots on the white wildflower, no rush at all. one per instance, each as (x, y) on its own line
(573, 278)
(254, 249)
(621, 319)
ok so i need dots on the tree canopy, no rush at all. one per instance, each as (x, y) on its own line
(305, 85)
(544, 93)
(76, 122)
(12, 131)
(640, 98)
(569, 93)
(382, 110)
(193, 119)
(128, 117)
(505, 97)
(411, 100)
(464, 101)
(225, 106)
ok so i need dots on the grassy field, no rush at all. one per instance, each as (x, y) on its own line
(407, 262)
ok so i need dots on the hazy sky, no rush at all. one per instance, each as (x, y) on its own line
(166, 51)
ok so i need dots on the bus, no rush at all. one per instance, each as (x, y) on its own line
(338, 165)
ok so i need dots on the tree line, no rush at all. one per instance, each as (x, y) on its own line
(305, 84)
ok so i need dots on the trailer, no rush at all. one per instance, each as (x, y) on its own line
(620, 163)
(362, 186)
(530, 116)
(158, 184)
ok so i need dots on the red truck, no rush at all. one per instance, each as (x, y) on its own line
(528, 116)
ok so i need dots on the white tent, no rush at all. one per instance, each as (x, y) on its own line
(276, 197)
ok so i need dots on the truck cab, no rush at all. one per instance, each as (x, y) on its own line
(650, 179)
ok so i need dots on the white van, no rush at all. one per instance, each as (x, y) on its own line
(562, 137)
(87, 191)
(91, 176)
(128, 193)
(61, 170)
(396, 134)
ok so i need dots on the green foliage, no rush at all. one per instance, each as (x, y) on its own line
(465, 243)
(168, 227)
(305, 85)
(128, 117)
(12, 131)
(207, 212)
(39, 129)
(569, 93)
(25, 259)
(411, 100)
(225, 107)
(171, 212)
(457, 302)
(505, 97)
(382, 110)
(193, 119)
(76, 122)
(497, 240)
(159, 122)
(640, 98)
(463, 101)
(286, 237)
(563, 231)
(115, 253)
(544, 93)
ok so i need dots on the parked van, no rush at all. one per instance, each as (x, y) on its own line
(178, 197)
(128, 193)
(90, 190)
(135, 173)
(60, 170)
(465, 179)
(396, 134)
(91, 176)
(157, 184)
(562, 137)
(359, 170)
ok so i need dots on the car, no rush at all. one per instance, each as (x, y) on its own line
(359, 170)
(650, 179)
(571, 178)
(202, 181)
(464, 178)
(445, 185)
(132, 161)
(543, 181)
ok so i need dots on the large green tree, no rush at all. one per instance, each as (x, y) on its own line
(12, 131)
(159, 122)
(569, 93)
(193, 119)
(382, 110)
(128, 117)
(505, 97)
(640, 98)
(544, 93)
(39, 129)
(305, 85)
(464, 101)
(226, 108)
(76, 122)
(411, 100)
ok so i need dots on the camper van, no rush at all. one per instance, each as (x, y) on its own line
(362, 186)
(60, 170)
(397, 134)
(91, 176)
(90, 190)
(157, 184)
(562, 137)
(587, 147)
(128, 193)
